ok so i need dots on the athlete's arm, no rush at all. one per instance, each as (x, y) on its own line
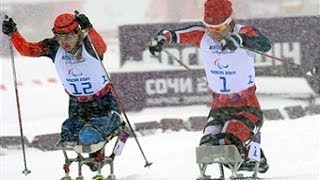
(189, 35)
(253, 39)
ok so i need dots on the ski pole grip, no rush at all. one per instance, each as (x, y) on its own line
(76, 13)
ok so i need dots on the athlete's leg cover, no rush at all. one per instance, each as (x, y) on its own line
(107, 124)
(70, 129)
(89, 135)
(237, 129)
(237, 121)
(96, 108)
(212, 127)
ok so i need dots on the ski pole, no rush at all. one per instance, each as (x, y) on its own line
(25, 171)
(176, 59)
(119, 101)
(180, 62)
(310, 73)
(272, 57)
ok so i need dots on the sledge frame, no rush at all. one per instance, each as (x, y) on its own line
(81, 149)
(81, 160)
(224, 155)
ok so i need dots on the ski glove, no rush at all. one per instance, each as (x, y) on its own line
(157, 44)
(83, 21)
(231, 42)
(9, 27)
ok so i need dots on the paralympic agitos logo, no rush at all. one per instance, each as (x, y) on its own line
(217, 63)
(74, 72)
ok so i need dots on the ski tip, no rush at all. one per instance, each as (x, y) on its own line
(148, 164)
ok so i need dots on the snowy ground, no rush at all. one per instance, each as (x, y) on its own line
(292, 148)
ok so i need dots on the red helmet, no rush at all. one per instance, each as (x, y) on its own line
(217, 11)
(65, 23)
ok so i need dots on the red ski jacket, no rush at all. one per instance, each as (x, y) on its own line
(49, 47)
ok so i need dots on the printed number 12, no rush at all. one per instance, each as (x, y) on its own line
(85, 87)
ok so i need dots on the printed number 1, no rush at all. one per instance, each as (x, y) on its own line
(105, 79)
(224, 81)
(250, 80)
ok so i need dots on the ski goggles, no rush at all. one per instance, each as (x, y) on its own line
(66, 37)
(219, 27)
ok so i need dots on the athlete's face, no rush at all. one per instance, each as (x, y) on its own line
(68, 41)
(218, 35)
(219, 32)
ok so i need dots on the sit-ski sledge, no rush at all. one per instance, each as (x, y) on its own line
(223, 156)
(82, 159)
